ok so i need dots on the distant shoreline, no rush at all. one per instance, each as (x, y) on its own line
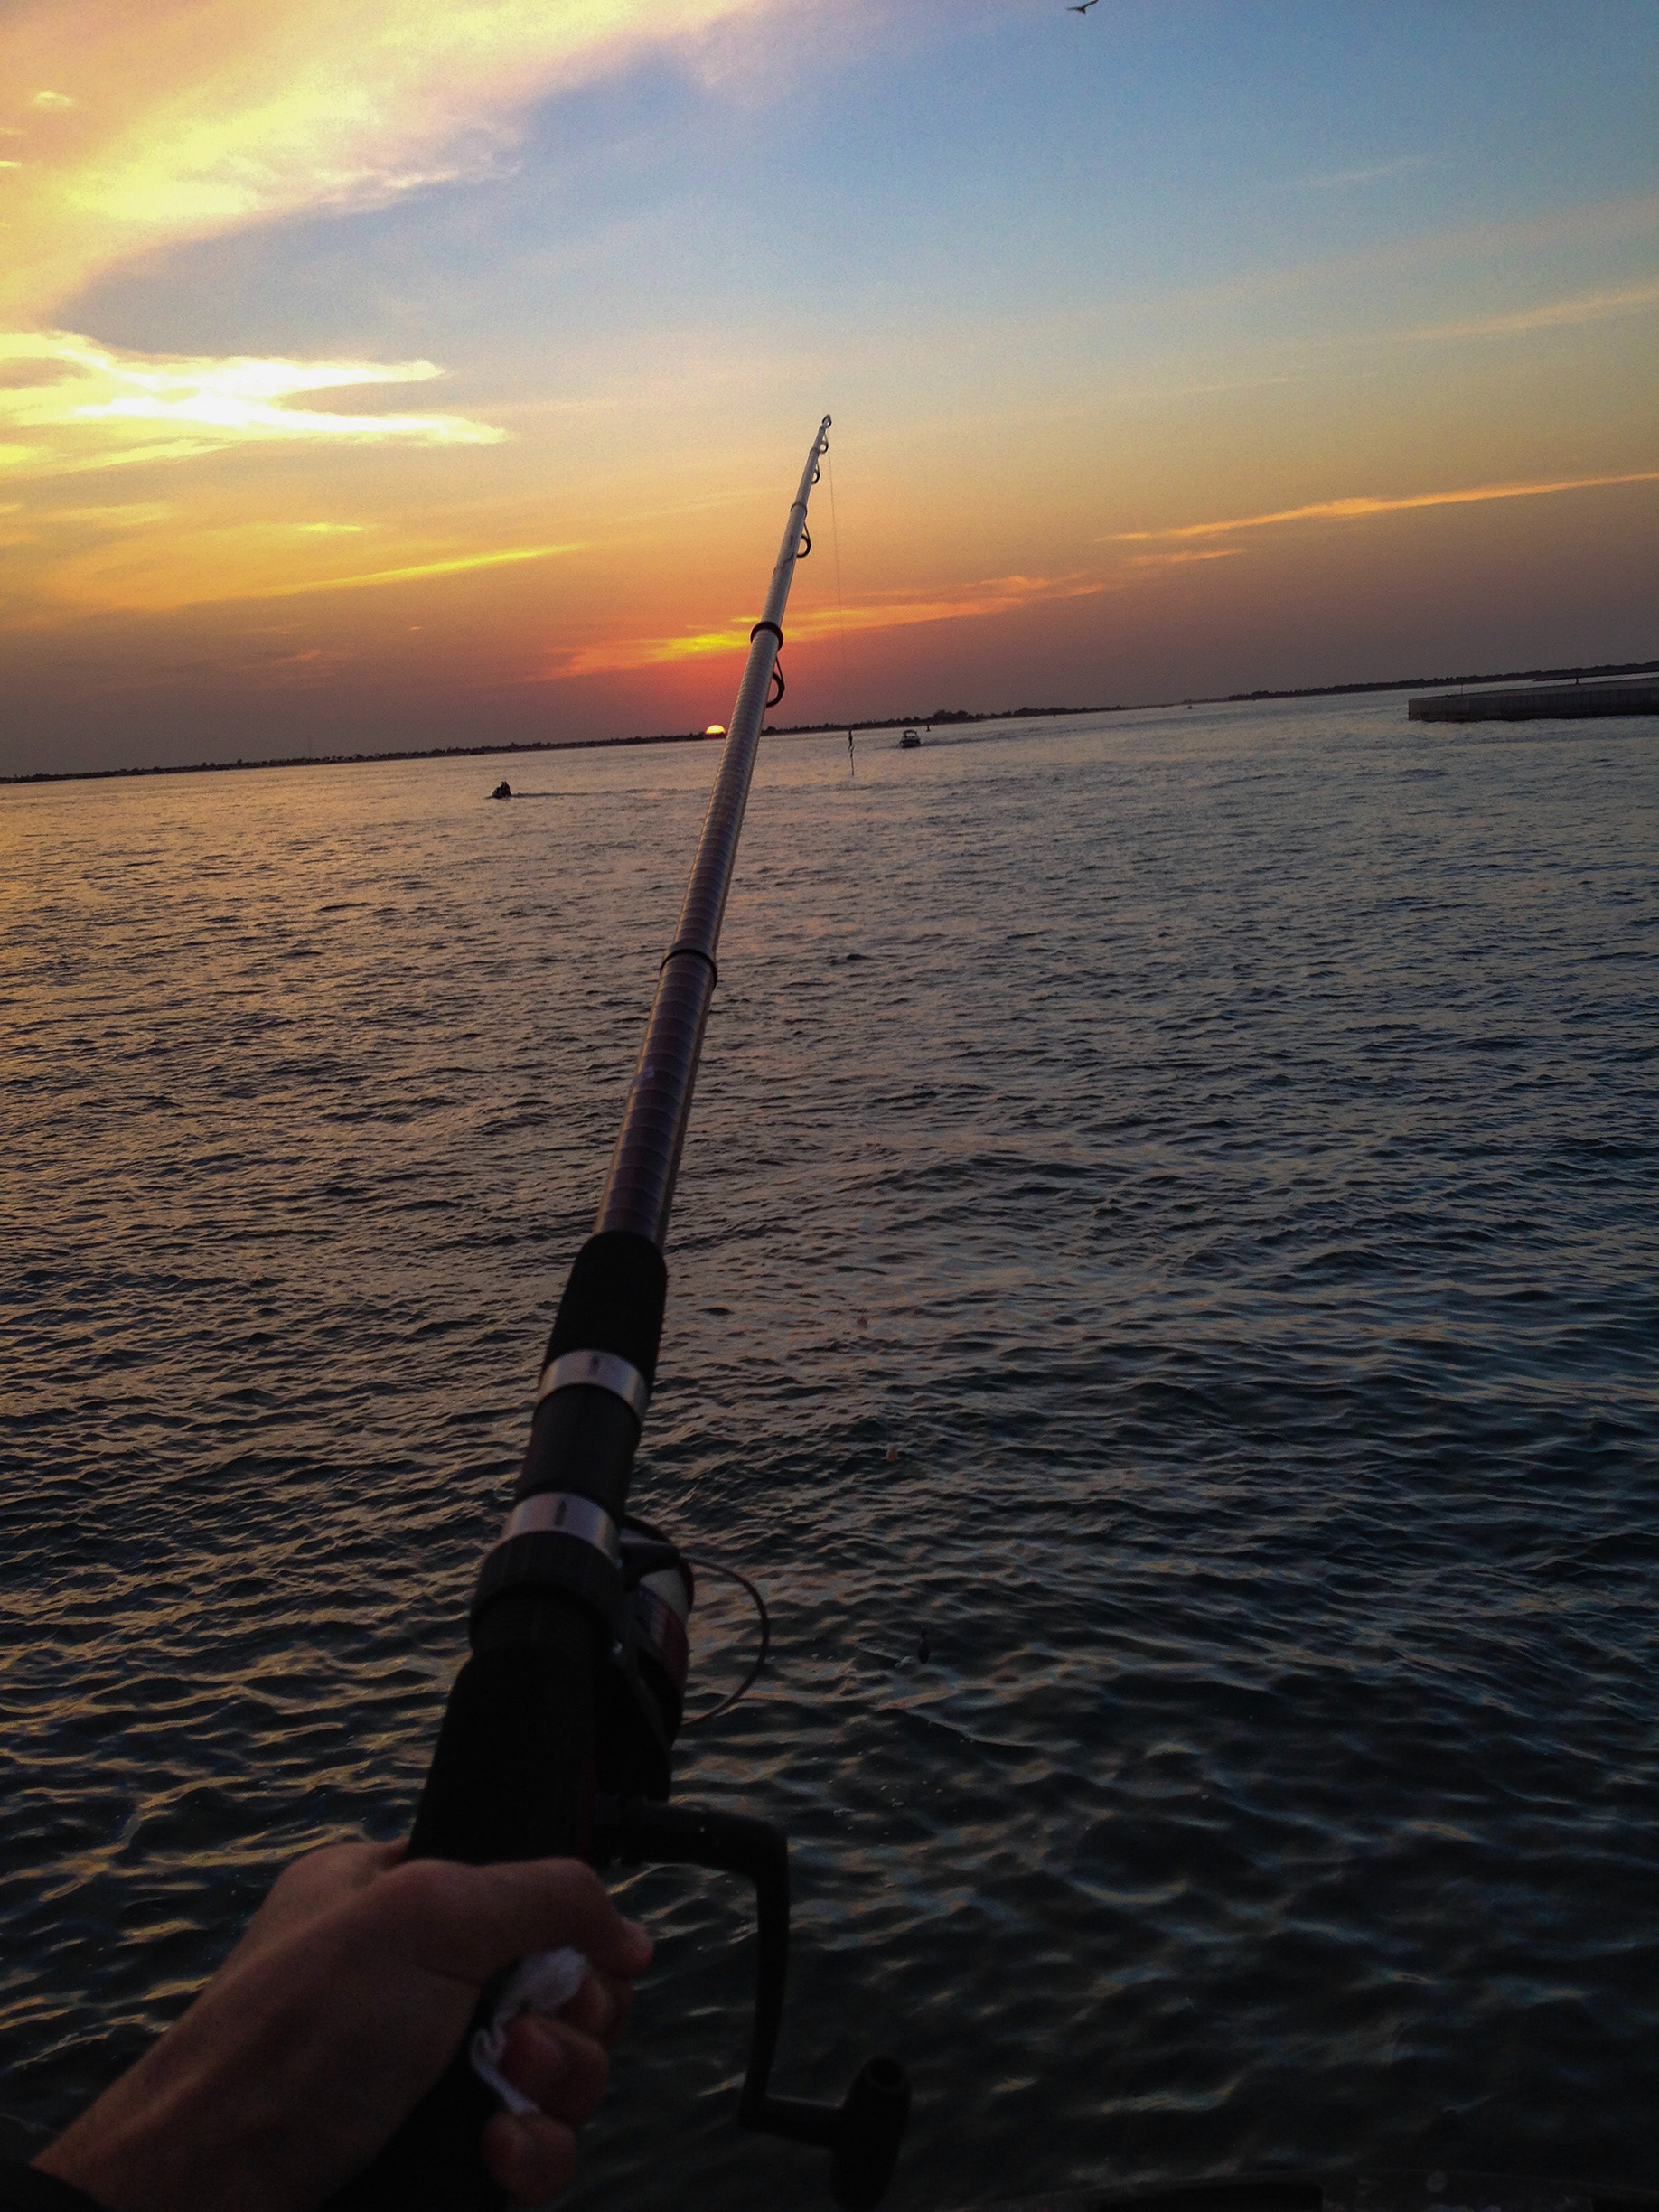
(948, 717)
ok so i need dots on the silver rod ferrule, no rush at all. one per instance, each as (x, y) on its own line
(606, 1371)
(560, 1513)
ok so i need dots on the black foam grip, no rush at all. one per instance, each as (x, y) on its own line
(511, 1779)
(433, 2163)
(613, 1301)
(582, 1440)
(510, 1776)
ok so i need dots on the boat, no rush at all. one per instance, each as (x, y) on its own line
(909, 742)
(503, 789)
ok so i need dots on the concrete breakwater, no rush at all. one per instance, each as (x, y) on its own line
(1624, 695)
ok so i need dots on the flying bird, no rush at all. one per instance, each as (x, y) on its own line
(1073, 7)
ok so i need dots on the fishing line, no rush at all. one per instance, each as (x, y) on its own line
(557, 1737)
(840, 612)
(731, 1574)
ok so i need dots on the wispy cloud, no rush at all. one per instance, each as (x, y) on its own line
(1371, 175)
(1598, 223)
(1361, 507)
(415, 572)
(1176, 560)
(1552, 314)
(126, 514)
(993, 595)
(112, 569)
(170, 121)
(80, 404)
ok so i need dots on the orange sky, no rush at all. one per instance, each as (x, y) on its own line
(376, 374)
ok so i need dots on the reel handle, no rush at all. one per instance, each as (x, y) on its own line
(862, 2134)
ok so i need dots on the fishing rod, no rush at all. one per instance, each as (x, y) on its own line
(557, 1735)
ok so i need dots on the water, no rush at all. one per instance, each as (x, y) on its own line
(1170, 1216)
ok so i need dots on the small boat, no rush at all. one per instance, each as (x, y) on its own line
(909, 742)
(503, 789)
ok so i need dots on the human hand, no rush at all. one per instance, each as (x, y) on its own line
(336, 2014)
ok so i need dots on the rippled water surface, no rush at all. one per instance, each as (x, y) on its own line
(1170, 1219)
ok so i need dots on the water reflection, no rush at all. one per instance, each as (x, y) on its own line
(1169, 1217)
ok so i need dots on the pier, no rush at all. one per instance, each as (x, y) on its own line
(1542, 702)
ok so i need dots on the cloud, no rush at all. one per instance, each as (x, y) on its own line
(183, 122)
(993, 595)
(84, 405)
(1599, 223)
(1360, 509)
(74, 406)
(1555, 315)
(106, 569)
(1369, 175)
(415, 572)
(127, 514)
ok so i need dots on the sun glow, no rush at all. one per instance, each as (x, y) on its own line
(898, 610)
(435, 356)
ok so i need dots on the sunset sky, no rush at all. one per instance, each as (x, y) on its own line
(382, 373)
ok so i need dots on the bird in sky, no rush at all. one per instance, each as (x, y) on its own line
(1074, 8)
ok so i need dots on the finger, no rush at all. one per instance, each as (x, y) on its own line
(601, 2008)
(558, 2069)
(467, 1922)
(531, 2157)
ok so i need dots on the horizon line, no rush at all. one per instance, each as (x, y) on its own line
(956, 716)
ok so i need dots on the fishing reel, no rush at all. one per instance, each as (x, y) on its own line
(644, 1589)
